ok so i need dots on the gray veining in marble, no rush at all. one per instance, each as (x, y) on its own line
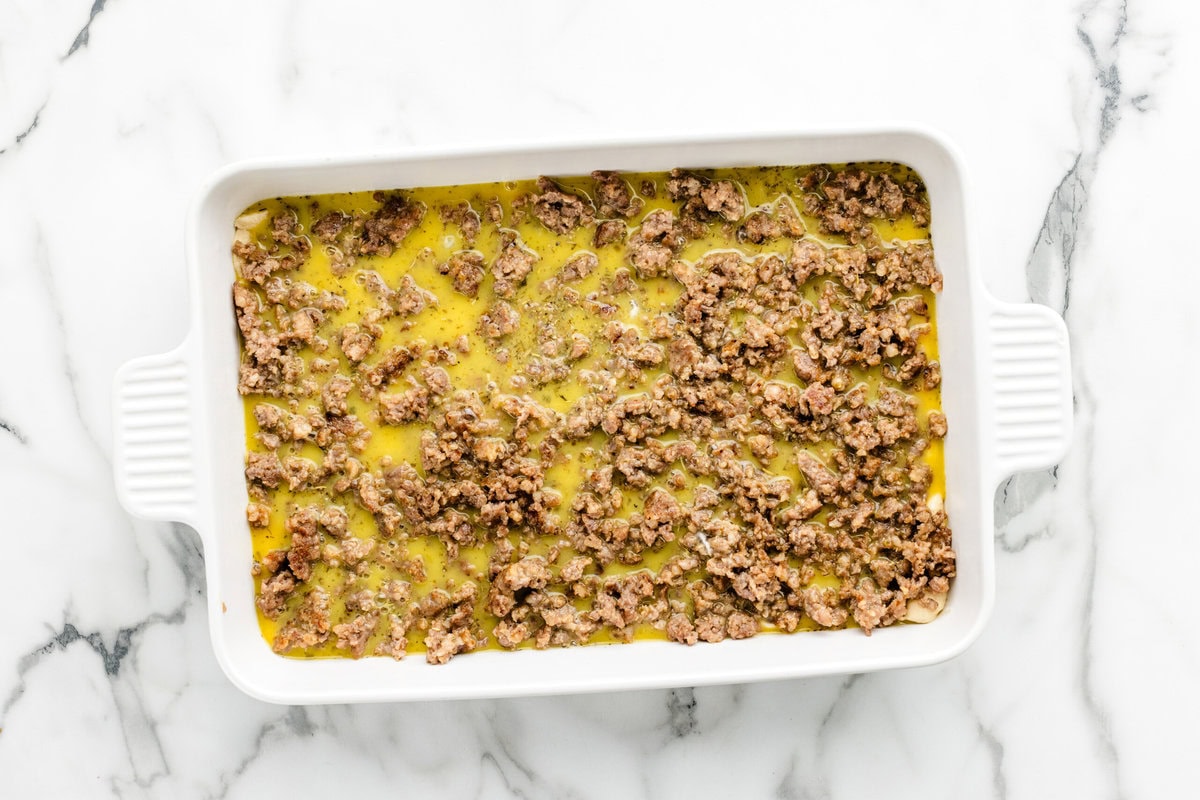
(1077, 122)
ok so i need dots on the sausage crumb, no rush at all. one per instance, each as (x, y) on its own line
(500, 320)
(558, 211)
(512, 266)
(466, 271)
(465, 217)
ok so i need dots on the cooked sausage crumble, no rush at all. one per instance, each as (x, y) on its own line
(695, 405)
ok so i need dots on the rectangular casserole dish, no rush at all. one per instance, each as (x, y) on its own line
(180, 437)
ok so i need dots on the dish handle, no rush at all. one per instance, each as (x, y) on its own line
(1029, 366)
(154, 450)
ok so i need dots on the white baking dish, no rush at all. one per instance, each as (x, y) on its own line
(180, 435)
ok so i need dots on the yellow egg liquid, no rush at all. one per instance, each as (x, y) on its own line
(431, 243)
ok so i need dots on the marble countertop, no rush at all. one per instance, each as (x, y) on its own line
(1073, 119)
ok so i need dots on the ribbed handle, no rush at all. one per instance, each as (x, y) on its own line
(154, 450)
(1030, 366)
